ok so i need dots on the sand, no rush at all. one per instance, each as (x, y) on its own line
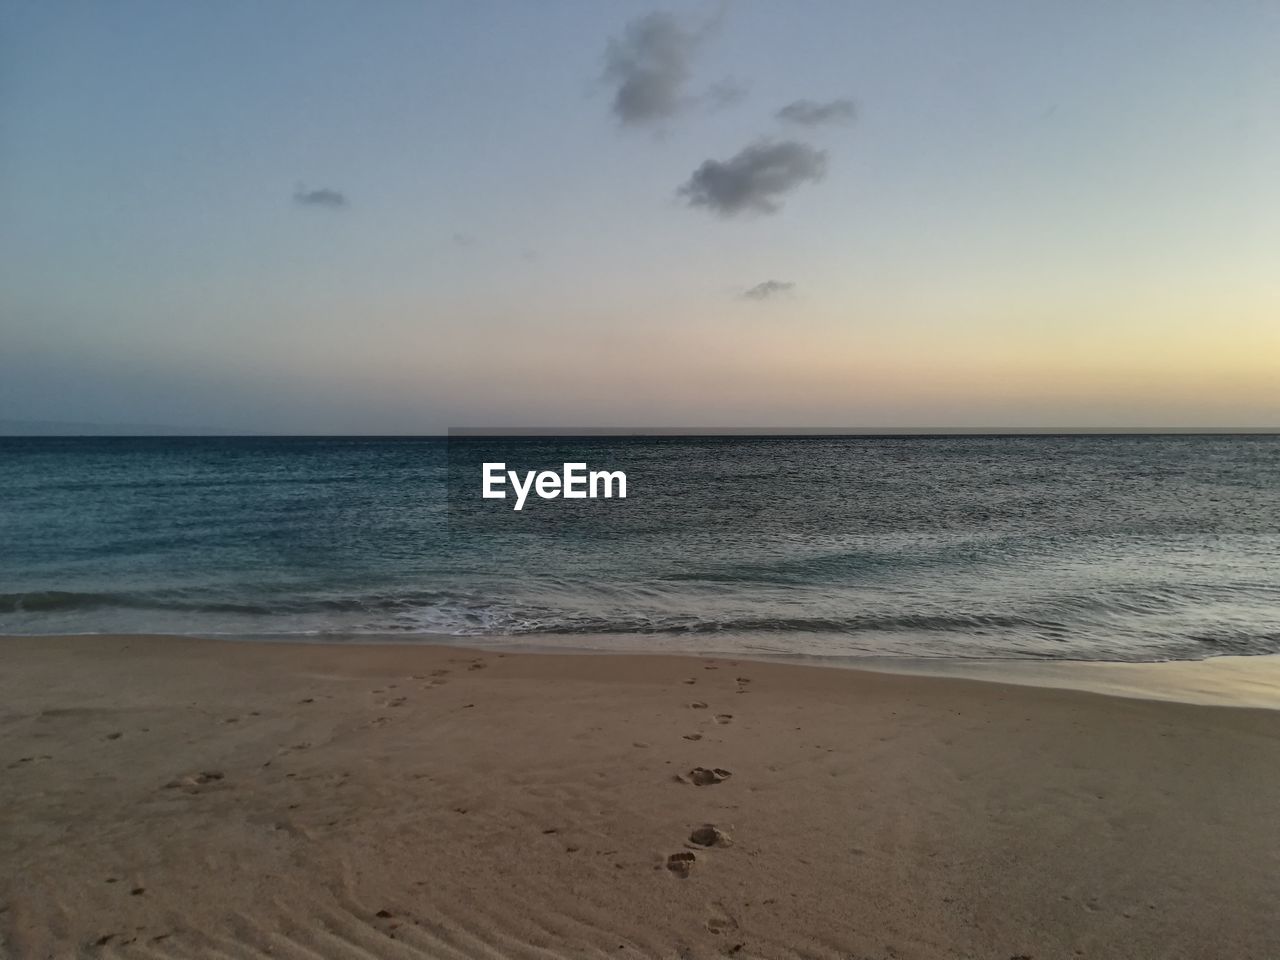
(186, 798)
(1234, 681)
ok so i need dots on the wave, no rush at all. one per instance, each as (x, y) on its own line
(52, 600)
(43, 601)
(1156, 617)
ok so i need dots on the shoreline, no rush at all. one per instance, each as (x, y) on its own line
(1224, 680)
(193, 798)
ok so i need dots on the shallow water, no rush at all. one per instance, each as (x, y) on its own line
(1071, 547)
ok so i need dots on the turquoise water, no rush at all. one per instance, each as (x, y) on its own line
(1076, 547)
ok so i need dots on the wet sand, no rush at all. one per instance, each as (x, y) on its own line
(184, 798)
(1218, 681)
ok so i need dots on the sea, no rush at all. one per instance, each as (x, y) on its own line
(1071, 547)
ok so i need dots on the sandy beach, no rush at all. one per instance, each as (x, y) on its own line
(165, 797)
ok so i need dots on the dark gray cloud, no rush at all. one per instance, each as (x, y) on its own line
(649, 65)
(755, 178)
(768, 289)
(323, 197)
(809, 113)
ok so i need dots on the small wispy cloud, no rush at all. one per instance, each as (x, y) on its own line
(724, 94)
(755, 178)
(463, 239)
(809, 113)
(323, 197)
(649, 67)
(768, 290)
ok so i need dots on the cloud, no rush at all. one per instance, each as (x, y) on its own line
(769, 289)
(323, 197)
(463, 239)
(650, 66)
(808, 113)
(724, 94)
(754, 178)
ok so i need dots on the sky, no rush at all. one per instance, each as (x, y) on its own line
(341, 217)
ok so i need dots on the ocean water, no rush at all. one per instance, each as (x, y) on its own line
(1062, 547)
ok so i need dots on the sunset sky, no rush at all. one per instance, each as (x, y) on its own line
(401, 217)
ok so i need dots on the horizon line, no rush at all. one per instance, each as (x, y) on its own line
(87, 431)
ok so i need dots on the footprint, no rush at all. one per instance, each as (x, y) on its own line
(690, 680)
(724, 718)
(706, 776)
(692, 736)
(709, 835)
(722, 923)
(698, 705)
(192, 780)
(681, 863)
(22, 760)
